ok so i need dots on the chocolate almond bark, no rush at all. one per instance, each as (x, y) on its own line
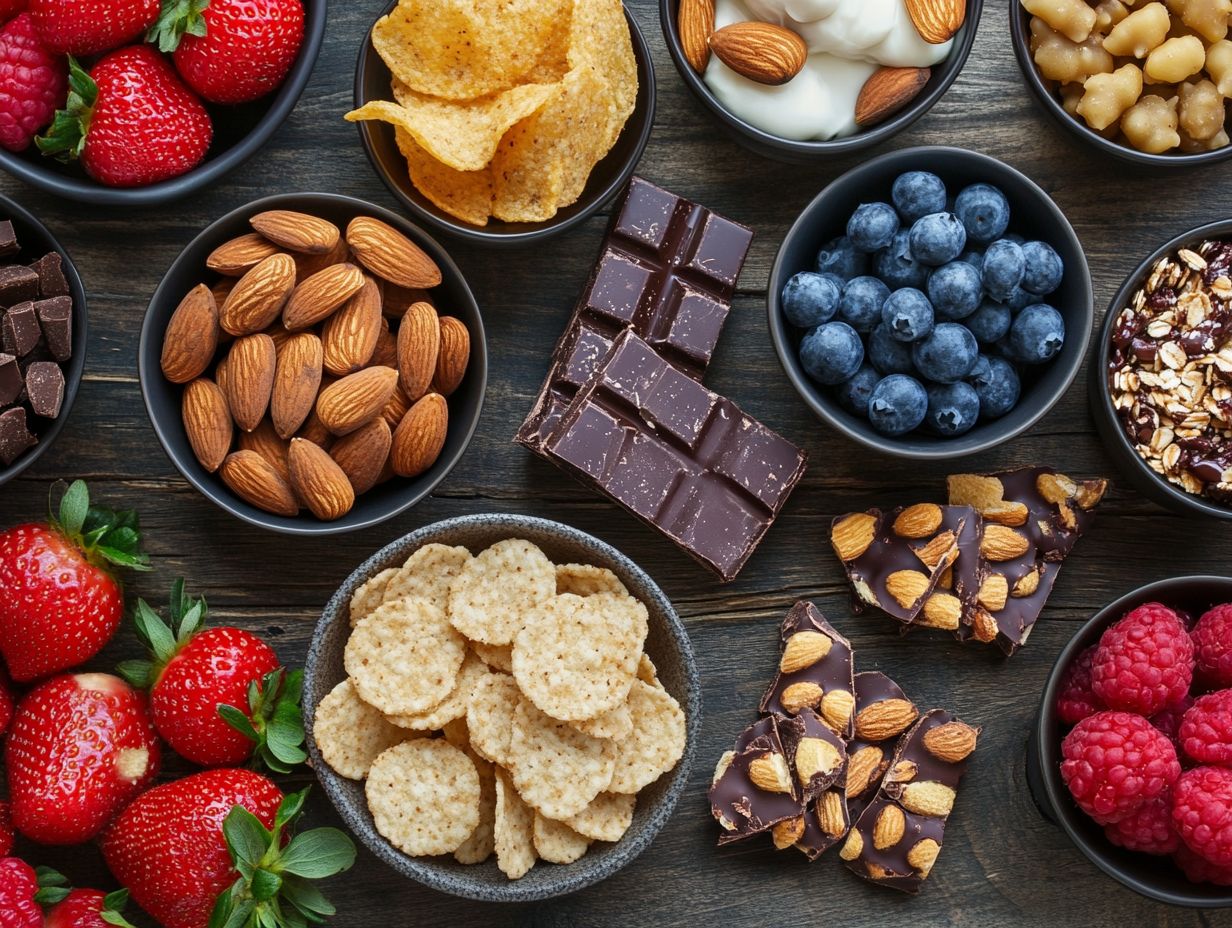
(815, 671)
(754, 787)
(883, 713)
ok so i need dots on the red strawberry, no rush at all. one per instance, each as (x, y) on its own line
(7, 838)
(80, 749)
(216, 695)
(10, 8)
(177, 849)
(33, 81)
(87, 27)
(22, 889)
(131, 121)
(62, 603)
(89, 908)
(231, 51)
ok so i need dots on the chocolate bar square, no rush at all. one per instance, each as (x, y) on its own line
(45, 388)
(15, 437)
(20, 332)
(50, 270)
(55, 318)
(18, 285)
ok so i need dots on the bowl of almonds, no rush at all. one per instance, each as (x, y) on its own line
(313, 364)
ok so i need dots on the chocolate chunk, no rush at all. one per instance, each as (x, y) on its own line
(686, 461)
(869, 752)
(17, 285)
(817, 756)
(20, 330)
(15, 437)
(50, 270)
(753, 788)
(815, 671)
(55, 317)
(11, 379)
(8, 239)
(668, 270)
(897, 838)
(45, 388)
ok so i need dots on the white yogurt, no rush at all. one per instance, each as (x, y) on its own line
(848, 40)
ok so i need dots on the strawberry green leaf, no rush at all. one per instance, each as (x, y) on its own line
(66, 137)
(289, 809)
(178, 19)
(246, 837)
(153, 631)
(53, 886)
(319, 853)
(265, 885)
(238, 720)
(138, 674)
(306, 897)
(113, 905)
(274, 720)
(74, 507)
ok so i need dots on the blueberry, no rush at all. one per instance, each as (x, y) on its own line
(872, 226)
(889, 355)
(1004, 264)
(831, 353)
(1044, 268)
(840, 257)
(898, 405)
(1037, 334)
(1019, 299)
(980, 370)
(953, 408)
(907, 315)
(810, 299)
(937, 238)
(990, 322)
(896, 267)
(974, 258)
(918, 193)
(853, 395)
(947, 355)
(984, 212)
(838, 281)
(955, 290)
(860, 305)
(997, 387)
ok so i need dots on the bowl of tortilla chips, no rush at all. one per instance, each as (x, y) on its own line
(504, 121)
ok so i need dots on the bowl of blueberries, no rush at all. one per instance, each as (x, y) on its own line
(931, 303)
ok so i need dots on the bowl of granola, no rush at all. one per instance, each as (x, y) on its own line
(1162, 391)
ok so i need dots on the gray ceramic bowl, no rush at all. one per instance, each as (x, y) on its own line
(1033, 215)
(162, 398)
(1145, 481)
(372, 79)
(667, 645)
(1153, 877)
(791, 150)
(36, 241)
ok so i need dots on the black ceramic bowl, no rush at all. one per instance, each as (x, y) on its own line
(1150, 484)
(1153, 877)
(162, 398)
(239, 133)
(1033, 215)
(372, 82)
(667, 645)
(36, 241)
(1045, 93)
(780, 149)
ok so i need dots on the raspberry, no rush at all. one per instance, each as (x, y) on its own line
(1199, 870)
(33, 84)
(1202, 813)
(1076, 701)
(1144, 662)
(1116, 761)
(1169, 721)
(1212, 638)
(1148, 829)
(1206, 729)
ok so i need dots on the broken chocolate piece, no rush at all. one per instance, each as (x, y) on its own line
(45, 388)
(15, 437)
(20, 330)
(754, 789)
(826, 820)
(815, 671)
(869, 752)
(958, 587)
(50, 270)
(8, 239)
(18, 285)
(55, 318)
(817, 756)
(11, 380)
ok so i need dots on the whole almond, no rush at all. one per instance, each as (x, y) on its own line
(887, 91)
(265, 442)
(396, 408)
(297, 381)
(804, 649)
(389, 254)
(420, 436)
(832, 814)
(297, 231)
(419, 344)
(695, 23)
(322, 293)
(918, 521)
(363, 453)
(1001, 543)
(349, 335)
(937, 20)
(787, 832)
(386, 352)
(770, 773)
(836, 708)
(207, 422)
(928, 797)
(454, 356)
(191, 337)
(762, 52)
(907, 587)
(220, 376)
(852, 535)
(886, 719)
(254, 480)
(258, 298)
(952, 742)
(306, 265)
(864, 767)
(802, 695)
(889, 828)
(357, 399)
(250, 379)
(318, 481)
(240, 255)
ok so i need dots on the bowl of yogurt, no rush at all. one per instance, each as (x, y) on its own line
(846, 43)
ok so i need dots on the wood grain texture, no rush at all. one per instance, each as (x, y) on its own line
(1002, 864)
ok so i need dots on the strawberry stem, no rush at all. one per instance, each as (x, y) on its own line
(66, 136)
(104, 536)
(178, 19)
(274, 720)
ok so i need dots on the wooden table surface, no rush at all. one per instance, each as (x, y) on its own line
(1002, 863)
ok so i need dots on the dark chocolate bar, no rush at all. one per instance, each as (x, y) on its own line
(45, 388)
(11, 380)
(20, 331)
(815, 671)
(55, 316)
(897, 838)
(883, 713)
(15, 437)
(50, 271)
(667, 270)
(686, 461)
(18, 285)
(8, 239)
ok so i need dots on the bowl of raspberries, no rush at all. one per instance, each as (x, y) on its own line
(931, 303)
(1132, 755)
